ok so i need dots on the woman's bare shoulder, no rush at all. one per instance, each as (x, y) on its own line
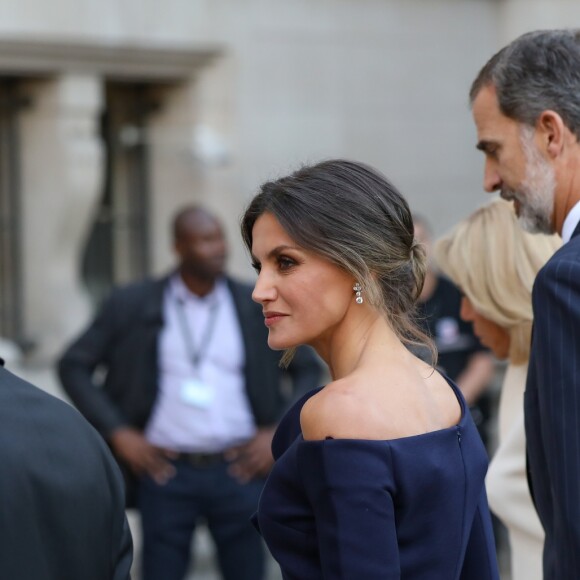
(337, 411)
(363, 407)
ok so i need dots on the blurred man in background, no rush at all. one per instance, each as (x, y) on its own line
(190, 401)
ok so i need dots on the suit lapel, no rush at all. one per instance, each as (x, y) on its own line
(153, 307)
(576, 230)
(245, 309)
(249, 317)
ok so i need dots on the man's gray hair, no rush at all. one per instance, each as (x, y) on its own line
(538, 71)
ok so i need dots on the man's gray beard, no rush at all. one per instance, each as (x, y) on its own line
(536, 194)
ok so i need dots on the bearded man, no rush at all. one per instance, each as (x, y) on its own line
(526, 106)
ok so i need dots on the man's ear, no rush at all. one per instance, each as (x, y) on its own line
(551, 132)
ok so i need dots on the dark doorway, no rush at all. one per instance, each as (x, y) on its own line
(118, 247)
(11, 285)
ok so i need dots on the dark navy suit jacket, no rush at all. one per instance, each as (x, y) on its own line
(552, 409)
(62, 512)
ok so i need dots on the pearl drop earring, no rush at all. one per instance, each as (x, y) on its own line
(358, 290)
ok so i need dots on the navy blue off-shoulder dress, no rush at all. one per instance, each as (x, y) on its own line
(413, 508)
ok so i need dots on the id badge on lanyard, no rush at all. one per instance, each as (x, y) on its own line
(194, 391)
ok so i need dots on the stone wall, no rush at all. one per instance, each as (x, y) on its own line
(381, 81)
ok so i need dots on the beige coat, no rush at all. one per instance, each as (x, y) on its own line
(507, 485)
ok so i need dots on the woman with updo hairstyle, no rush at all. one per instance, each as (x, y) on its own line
(494, 263)
(379, 474)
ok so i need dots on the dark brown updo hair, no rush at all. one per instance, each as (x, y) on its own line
(351, 215)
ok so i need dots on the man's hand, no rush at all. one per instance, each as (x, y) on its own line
(142, 457)
(254, 458)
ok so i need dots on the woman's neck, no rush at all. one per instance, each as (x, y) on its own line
(354, 341)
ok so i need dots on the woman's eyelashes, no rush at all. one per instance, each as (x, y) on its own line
(285, 263)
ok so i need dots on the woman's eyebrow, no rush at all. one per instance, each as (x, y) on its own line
(276, 251)
(279, 249)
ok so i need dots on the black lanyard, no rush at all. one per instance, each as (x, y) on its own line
(196, 355)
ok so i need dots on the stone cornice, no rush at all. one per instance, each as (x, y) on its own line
(133, 62)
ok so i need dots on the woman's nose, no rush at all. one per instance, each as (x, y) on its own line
(264, 290)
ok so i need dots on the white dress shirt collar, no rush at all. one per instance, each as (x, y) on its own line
(570, 223)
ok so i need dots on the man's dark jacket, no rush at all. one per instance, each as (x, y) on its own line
(122, 341)
(552, 409)
(62, 514)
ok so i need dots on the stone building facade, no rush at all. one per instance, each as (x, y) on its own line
(115, 112)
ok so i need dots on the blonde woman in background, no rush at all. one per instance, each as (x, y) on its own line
(494, 263)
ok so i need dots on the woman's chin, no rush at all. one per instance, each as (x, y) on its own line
(276, 344)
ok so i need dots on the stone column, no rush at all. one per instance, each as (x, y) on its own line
(62, 172)
(193, 156)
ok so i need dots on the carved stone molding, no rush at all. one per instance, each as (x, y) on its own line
(150, 63)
